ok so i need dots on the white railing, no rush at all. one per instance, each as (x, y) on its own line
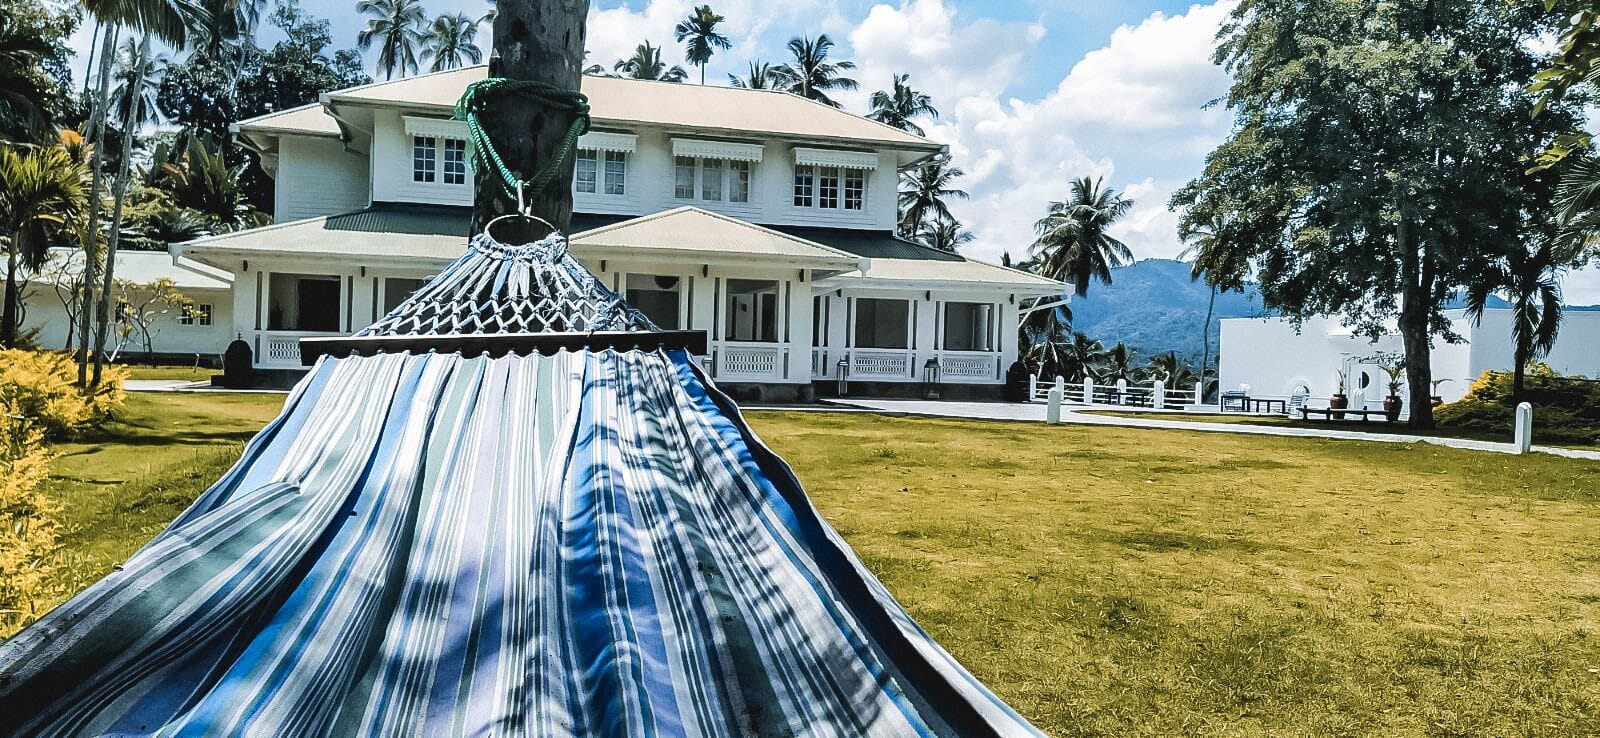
(281, 349)
(751, 362)
(1153, 394)
(885, 364)
(966, 367)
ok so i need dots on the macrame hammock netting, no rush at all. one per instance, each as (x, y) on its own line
(573, 543)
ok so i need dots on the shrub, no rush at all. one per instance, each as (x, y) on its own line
(1566, 409)
(39, 386)
(28, 523)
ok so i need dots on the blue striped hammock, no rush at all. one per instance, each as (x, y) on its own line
(587, 543)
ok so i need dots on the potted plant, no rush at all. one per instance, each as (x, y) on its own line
(1392, 404)
(1339, 400)
(1437, 400)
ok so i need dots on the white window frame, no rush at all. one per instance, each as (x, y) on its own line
(438, 132)
(600, 182)
(725, 180)
(811, 182)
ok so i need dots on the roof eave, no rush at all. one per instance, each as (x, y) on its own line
(713, 257)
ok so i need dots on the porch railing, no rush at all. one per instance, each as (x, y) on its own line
(966, 367)
(281, 349)
(882, 364)
(752, 362)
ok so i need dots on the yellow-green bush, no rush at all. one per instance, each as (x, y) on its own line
(28, 518)
(1566, 409)
(39, 386)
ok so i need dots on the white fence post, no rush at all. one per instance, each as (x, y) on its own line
(1199, 392)
(1033, 387)
(1088, 391)
(1158, 395)
(1122, 392)
(1522, 431)
(1052, 414)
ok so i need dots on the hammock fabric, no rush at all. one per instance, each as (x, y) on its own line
(585, 543)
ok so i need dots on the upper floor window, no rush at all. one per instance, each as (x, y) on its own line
(711, 179)
(830, 187)
(438, 159)
(601, 172)
(424, 158)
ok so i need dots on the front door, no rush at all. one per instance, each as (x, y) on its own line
(317, 304)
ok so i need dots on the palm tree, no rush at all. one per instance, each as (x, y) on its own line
(138, 85)
(1532, 281)
(202, 181)
(700, 32)
(1073, 245)
(229, 23)
(945, 235)
(1117, 363)
(451, 42)
(22, 82)
(1212, 257)
(923, 192)
(760, 77)
(646, 64)
(810, 74)
(397, 27)
(40, 189)
(899, 104)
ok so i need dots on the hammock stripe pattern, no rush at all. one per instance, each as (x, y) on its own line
(580, 544)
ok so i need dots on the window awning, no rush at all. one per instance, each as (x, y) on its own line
(625, 143)
(716, 149)
(442, 127)
(836, 158)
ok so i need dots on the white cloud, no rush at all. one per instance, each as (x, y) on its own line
(1133, 105)
(613, 33)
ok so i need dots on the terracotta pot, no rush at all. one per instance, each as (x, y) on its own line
(1338, 402)
(1391, 407)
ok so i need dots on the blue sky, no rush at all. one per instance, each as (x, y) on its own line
(1032, 93)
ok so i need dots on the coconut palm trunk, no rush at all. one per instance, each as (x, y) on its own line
(8, 319)
(540, 41)
(108, 275)
(1205, 335)
(97, 132)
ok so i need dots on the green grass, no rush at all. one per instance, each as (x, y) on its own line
(187, 373)
(1110, 581)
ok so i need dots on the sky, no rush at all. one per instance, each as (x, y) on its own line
(1031, 93)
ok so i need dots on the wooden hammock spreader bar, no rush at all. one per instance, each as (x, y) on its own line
(500, 344)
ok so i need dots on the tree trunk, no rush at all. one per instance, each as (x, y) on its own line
(1519, 374)
(97, 135)
(108, 275)
(88, 64)
(1205, 334)
(8, 316)
(539, 40)
(1415, 332)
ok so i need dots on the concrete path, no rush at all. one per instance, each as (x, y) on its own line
(1035, 411)
(184, 385)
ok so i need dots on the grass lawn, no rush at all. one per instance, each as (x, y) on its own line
(1110, 581)
(187, 373)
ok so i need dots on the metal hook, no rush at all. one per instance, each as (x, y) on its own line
(522, 199)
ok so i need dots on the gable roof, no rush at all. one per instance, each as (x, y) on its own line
(690, 230)
(624, 102)
(149, 266)
(306, 120)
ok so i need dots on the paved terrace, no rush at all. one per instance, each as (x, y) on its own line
(1035, 411)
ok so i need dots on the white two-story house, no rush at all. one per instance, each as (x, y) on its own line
(761, 217)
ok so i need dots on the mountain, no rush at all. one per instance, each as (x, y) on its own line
(1154, 307)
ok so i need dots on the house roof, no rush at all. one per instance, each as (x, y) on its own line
(615, 101)
(945, 273)
(149, 266)
(870, 244)
(306, 120)
(692, 231)
(426, 232)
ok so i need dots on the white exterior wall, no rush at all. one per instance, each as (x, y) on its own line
(318, 176)
(1577, 349)
(649, 184)
(45, 313)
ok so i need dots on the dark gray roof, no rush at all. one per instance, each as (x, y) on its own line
(871, 244)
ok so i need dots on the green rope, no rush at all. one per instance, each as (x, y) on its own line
(481, 95)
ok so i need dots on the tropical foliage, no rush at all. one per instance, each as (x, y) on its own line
(900, 105)
(1567, 409)
(700, 38)
(1374, 173)
(452, 42)
(40, 190)
(396, 27)
(810, 74)
(1530, 279)
(1074, 243)
(924, 193)
(646, 64)
(759, 77)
